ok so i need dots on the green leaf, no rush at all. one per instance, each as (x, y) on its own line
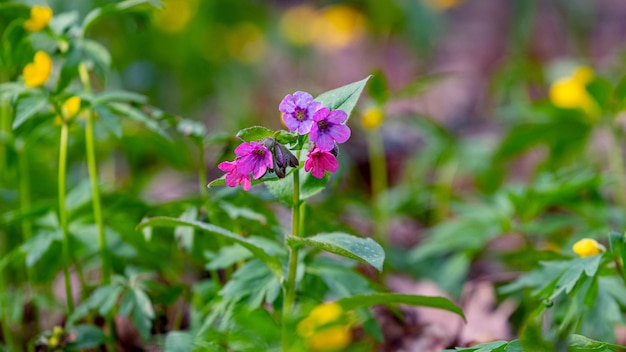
(365, 250)
(86, 337)
(618, 245)
(27, 106)
(38, 245)
(572, 275)
(126, 110)
(98, 55)
(96, 14)
(343, 98)
(254, 133)
(272, 262)
(110, 121)
(179, 341)
(119, 96)
(285, 137)
(368, 300)
(579, 343)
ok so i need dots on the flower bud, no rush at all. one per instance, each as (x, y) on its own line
(283, 158)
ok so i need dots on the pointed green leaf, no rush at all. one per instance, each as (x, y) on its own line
(255, 133)
(365, 250)
(368, 300)
(136, 114)
(27, 106)
(343, 98)
(579, 343)
(272, 262)
(119, 96)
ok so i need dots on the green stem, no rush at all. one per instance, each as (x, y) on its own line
(93, 177)
(95, 197)
(290, 285)
(63, 216)
(378, 172)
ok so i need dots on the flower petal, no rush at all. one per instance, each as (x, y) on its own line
(340, 133)
(337, 116)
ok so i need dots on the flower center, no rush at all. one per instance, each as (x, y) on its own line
(300, 115)
(259, 153)
(322, 125)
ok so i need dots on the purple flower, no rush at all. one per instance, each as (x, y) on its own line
(233, 177)
(320, 161)
(298, 110)
(328, 128)
(254, 158)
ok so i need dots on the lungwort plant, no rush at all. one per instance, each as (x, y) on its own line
(286, 286)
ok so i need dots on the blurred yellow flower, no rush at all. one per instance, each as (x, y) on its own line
(175, 15)
(372, 117)
(330, 29)
(246, 43)
(333, 338)
(571, 92)
(442, 5)
(70, 107)
(326, 328)
(37, 72)
(338, 26)
(295, 25)
(39, 18)
(587, 247)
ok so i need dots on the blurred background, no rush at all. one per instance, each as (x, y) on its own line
(455, 80)
(468, 64)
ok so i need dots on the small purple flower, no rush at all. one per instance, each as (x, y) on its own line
(320, 161)
(233, 177)
(254, 158)
(328, 128)
(298, 110)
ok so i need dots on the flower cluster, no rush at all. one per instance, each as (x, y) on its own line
(306, 119)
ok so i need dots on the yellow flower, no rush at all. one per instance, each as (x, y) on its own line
(39, 18)
(37, 72)
(571, 92)
(53, 342)
(337, 26)
(334, 338)
(70, 107)
(587, 247)
(372, 118)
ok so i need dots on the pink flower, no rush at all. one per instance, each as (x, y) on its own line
(328, 128)
(253, 158)
(233, 177)
(298, 110)
(320, 161)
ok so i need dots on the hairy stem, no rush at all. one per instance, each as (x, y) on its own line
(63, 216)
(290, 285)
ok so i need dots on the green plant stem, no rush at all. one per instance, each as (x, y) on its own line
(290, 285)
(378, 172)
(93, 177)
(63, 216)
